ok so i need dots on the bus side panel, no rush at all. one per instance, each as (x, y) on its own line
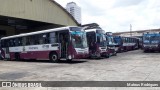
(34, 51)
(12, 55)
(129, 48)
(25, 55)
(37, 54)
(125, 45)
(71, 51)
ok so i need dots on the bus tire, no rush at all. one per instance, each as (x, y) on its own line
(107, 56)
(53, 57)
(17, 56)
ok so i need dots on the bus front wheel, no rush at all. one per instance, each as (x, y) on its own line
(53, 57)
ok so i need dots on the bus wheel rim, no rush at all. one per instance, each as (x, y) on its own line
(54, 57)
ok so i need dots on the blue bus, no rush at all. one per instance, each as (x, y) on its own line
(151, 42)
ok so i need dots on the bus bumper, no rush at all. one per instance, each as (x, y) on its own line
(105, 54)
(151, 48)
(112, 52)
(81, 56)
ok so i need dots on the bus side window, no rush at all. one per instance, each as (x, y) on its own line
(17, 42)
(41, 39)
(6, 43)
(27, 40)
(36, 39)
(52, 37)
(11, 43)
(20, 41)
(33, 40)
(124, 40)
(45, 38)
(24, 41)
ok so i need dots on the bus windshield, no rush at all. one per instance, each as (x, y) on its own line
(101, 40)
(146, 37)
(156, 38)
(110, 40)
(79, 39)
(149, 37)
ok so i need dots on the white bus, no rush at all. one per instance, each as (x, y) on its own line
(97, 43)
(54, 44)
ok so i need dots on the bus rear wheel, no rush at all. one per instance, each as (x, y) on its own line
(53, 57)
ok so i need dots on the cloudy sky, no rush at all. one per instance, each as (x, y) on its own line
(117, 15)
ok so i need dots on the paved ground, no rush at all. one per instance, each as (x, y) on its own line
(128, 66)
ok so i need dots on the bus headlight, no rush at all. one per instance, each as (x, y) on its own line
(69, 57)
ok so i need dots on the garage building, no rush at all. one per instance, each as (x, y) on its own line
(22, 16)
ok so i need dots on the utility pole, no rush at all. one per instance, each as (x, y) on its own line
(131, 30)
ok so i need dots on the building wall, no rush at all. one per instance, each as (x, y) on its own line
(37, 10)
(136, 33)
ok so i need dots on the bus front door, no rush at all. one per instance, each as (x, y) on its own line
(64, 44)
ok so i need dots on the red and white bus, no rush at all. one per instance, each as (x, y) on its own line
(97, 43)
(53, 44)
(130, 43)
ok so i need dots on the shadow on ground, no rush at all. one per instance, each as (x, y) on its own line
(47, 61)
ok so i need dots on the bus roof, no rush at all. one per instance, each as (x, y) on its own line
(37, 32)
(92, 30)
(153, 34)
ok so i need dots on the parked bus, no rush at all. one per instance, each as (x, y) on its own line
(97, 43)
(119, 41)
(0, 50)
(151, 42)
(53, 44)
(140, 41)
(126, 43)
(112, 46)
